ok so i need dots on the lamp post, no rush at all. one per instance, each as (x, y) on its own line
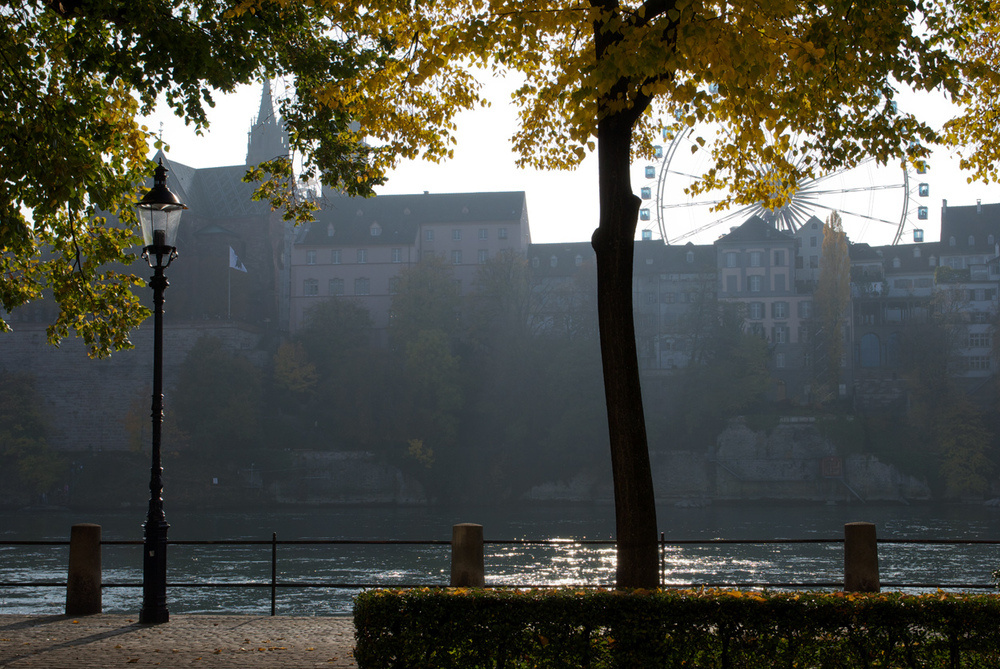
(159, 218)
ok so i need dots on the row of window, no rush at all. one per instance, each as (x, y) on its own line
(990, 239)
(360, 256)
(456, 234)
(908, 284)
(779, 334)
(755, 283)
(337, 257)
(980, 340)
(758, 310)
(362, 286)
(671, 297)
(554, 261)
(754, 258)
(978, 363)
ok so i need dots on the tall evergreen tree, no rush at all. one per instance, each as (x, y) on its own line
(831, 300)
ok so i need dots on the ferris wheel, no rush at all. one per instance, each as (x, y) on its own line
(878, 204)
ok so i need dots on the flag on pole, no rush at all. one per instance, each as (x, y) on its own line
(235, 262)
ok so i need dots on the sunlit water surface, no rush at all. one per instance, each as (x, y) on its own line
(506, 564)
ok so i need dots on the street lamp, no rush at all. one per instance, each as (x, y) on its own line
(159, 218)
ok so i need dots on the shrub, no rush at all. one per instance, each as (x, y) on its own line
(430, 628)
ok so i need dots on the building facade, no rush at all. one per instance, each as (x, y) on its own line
(356, 247)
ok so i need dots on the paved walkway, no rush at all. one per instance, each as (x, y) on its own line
(103, 641)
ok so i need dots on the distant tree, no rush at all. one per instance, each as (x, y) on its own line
(951, 440)
(333, 331)
(27, 463)
(426, 298)
(350, 406)
(831, 299)
(567, 307)
(964, 448)
(728, 376)
(503, 311)
(431, 402)
(293, 372)
(217, 401)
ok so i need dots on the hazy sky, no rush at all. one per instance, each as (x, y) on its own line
(562, 206)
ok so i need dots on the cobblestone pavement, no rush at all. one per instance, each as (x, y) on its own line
(102, 641)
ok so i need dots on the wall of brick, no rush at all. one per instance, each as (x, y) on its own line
(87, 401)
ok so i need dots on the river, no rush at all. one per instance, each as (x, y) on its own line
(505, 564)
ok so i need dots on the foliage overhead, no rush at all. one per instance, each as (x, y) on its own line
(797, 89)
(75, 76)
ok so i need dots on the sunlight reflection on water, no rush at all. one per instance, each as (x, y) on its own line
(565, 563)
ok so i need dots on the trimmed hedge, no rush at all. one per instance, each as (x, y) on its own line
(728, 629)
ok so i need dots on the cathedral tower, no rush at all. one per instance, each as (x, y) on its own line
(267, 138)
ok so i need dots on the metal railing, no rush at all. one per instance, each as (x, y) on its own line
(275, 584)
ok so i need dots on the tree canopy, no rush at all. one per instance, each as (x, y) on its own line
(798, 89)
(74, 77)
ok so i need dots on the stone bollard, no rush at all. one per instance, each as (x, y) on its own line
(83, 587)
(860, 558)
(467, 570)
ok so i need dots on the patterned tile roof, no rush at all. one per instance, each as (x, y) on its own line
(346, 221)
(755, 229)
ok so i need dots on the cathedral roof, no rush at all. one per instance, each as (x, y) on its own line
(213, 192)
(756, 229)
(349, 220)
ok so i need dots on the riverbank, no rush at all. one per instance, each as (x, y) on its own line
(100, 641)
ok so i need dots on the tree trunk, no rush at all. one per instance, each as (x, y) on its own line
(635, 507)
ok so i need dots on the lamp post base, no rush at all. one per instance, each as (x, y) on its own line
(154, 574)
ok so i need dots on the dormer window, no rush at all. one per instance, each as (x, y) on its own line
(991, 240)
(972, 240)
(951, 241)
(329, 230)
(534, 261)
(896, 263)
(376, 229)
(553, 261)
(916, 251)
(690, 256)
(933, 261)
(578, 260)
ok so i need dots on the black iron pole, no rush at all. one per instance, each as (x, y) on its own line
(154, 559)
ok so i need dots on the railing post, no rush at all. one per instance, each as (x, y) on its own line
(663, 559)
(83, 585)
(274, 569)
(467, 562)
(861, 558)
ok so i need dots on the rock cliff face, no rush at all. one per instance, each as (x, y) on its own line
(793, 461)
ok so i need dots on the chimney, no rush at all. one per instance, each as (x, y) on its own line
(979, 206)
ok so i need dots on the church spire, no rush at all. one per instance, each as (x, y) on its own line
(267, 138)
